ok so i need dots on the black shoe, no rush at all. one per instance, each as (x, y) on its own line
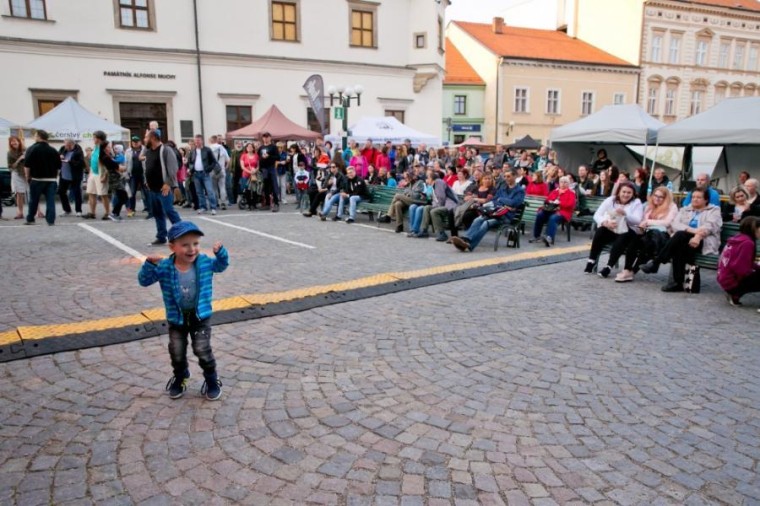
(157, 242)
(671, 287)
(651, 267)
(275, 209)
(350, 220)
(307, 215)
(28, 223)
(177, 386)
(336, 218)
(605, 272)
(423, 235)
(212, 387)
(399, 229)
(442, 237)
(384, 219)
(589, 267)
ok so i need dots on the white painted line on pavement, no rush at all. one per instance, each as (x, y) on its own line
(372, 228)
(254, 213)
(256, 232)
(114, 242)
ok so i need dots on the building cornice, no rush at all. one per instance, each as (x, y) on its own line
(556, 64)
(703, 9)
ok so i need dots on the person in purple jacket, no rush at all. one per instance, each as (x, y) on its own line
(738, 273)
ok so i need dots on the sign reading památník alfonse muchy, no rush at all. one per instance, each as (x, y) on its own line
(142, 75)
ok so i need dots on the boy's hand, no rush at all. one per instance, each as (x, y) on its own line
(154, 259)
(217, 246)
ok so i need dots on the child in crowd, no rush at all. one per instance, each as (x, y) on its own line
(186, 285)
(301, 178)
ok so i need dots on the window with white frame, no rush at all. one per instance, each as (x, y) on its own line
(32, 9)
(587, 103)
(674, 54)
(654, 90)
(696, 102)
(670, 100)
(752, 61)
(618, 98)
(460, 105)
(552, 102)
(723, 54)
(739, 56)
(700, 58)
(656, 49)
(521, 100)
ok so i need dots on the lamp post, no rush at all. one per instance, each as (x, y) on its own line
(344, 96)
(448, 128)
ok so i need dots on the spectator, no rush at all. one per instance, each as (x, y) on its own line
(557, 209)
(603, 185)
(585, 181)
(652, 233)
(616, 220)
(72, 171)
(659, 178)
(301, 183)
(219, 174)
(335, 183)
(743, 177)
(697, 229)
(268, 158)
(417, 209)
(451, 176)
(370, 155)
(354, 191)
(444, 202)
(97, 182)
(19, 184)
(202, 162)
(510, 196)
(372, 179)
(739, 207)
(751, 186)
(475, 197)
(703, 183)
(462, 183)
(602, 163)
(537, 187)
(640, 181)
(133, 159)
(318, 188)
(41, 164)
(161, 177)
(401, 202)
(738, 273)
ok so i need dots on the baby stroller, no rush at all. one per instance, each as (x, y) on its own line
(250, 194)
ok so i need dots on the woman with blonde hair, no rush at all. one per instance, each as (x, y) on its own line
(18, 178)
(739, 207)
(652, 233)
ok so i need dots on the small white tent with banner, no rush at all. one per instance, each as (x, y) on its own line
(613, 128)
(734, 125)
(69, 120)
(387, 128)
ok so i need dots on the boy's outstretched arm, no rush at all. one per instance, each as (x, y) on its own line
(222, 260)
(149, 271)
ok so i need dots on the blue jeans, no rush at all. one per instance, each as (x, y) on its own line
(36, 190)
(136, 184)
(230, 194)
(478, 230)
(203, 184)
(416, 212)
(163, 207)
(335, 199)
(552, 221)
(353, 200)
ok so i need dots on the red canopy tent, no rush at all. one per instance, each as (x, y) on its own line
(278, 125)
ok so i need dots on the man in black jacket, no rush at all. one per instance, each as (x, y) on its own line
(268, 156)
(202, 162)
(41, 165)
(354, 190)
(72, 170)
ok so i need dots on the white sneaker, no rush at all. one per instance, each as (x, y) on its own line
(79, 215)
(201, 211)
(213, 212)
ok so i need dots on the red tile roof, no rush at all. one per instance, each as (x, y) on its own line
(534, 44)
(458, 71)
(747, 5)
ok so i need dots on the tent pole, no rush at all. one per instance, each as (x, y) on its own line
(651, 172)
(644, 160)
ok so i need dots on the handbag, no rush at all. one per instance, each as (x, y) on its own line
(691, 279)
(550, 207)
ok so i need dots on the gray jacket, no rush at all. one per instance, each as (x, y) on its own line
(443, 196)
(709, 218)
(128, 159)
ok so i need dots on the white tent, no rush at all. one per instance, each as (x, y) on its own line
(734, 124)
(69, 120)
(388, 128)
(613, 128)
(8, 128)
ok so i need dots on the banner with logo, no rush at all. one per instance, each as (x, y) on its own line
(315, 90)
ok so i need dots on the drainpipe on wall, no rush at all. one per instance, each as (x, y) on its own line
(198, 64)
(498, 88)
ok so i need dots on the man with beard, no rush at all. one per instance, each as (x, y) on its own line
(161, 176)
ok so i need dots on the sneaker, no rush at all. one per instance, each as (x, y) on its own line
(399, 229)
(79, 215)
(349, 221)
(201, 211)
(384, 219)
(157, 242)
(130, 214)
(336, 218)
(113, 217)
(733, 300)
(307, 215)
(442, 237)
(624, 276)
(412, 234)
(671, 287)
(605, 273)
(460, 244)
(651, 267)
(548, 241)
(224, 207)
(423, 235)
(275, 208)
(322, 217)
(213, 212)
(106, 217)
(177, 386)
(536, 239)
(212, 387)
(589, 267)
(28, 223)
(66, 214)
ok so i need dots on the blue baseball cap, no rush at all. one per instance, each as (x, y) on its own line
(183, 228)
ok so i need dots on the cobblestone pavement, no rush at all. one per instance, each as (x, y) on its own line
(66, 273)
(541, 386)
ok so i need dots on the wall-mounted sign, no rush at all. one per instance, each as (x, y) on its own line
(466, 128)
(139, 75)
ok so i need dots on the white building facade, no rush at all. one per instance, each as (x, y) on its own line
(132, 61)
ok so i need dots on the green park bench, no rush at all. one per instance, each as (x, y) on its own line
(379, 201)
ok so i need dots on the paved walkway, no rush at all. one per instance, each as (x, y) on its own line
(541, 386)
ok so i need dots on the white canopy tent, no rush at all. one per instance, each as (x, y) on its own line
(612, 128)
(69, 120)
(387, 128)
(733, 124)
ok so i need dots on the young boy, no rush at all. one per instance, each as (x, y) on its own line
(186, 285)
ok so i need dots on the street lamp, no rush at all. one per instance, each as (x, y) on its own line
(344, 96)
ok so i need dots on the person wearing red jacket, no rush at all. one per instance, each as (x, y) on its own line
(738, 273)
(369, 153)
(536, 187)
(564, 200)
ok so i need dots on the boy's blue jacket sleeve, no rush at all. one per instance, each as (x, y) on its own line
(222, 260)
(148, 274)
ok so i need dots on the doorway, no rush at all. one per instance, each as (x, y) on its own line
(137, 115)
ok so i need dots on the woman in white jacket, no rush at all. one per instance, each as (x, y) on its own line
(616, 220)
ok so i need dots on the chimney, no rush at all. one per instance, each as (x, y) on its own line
(498, 25)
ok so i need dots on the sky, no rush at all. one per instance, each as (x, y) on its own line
(528, 13)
